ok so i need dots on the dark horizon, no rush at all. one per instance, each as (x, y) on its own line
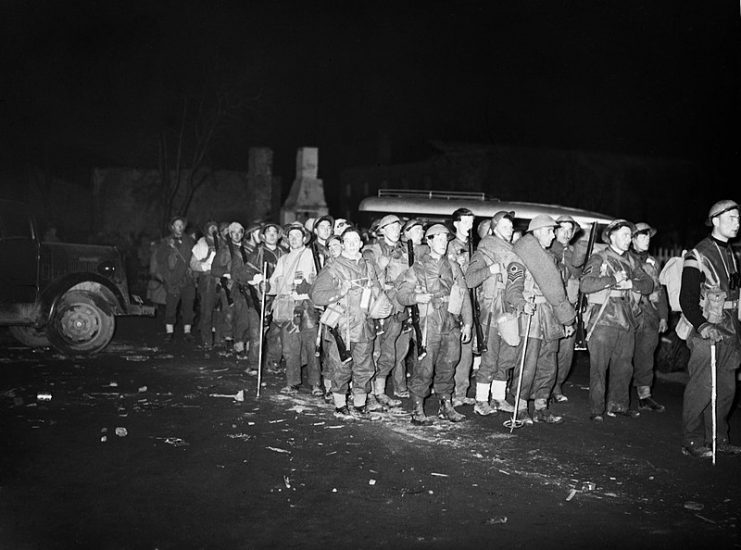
(94, 84)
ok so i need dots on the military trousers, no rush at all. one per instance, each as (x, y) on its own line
(386, 345)
(437, 368)
(298, 349)
(564, 361)
(610, 349)
(538, 372)
(360, 370)
(185, 297)
(208, 297)
(696, 411)
(497, 361)
(647, 338)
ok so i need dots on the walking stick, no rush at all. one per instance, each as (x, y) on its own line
(514, 422)
(262, 333)
(713, 395)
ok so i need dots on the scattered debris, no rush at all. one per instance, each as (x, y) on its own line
(695, 506)
(438, 475)
(103, 439)
(277, 450)
(244, 437)
(287, 482)
(572, 492)
(239, 396)
(113, 384)
(319, 423)
(142, 389)
(276, 421)
(703, 518)
(174, 441)
(299, 409)
(137, 358)
(121, 432)
(589, 485)
(496, 520)
(371, 482)
(43, 396)
(505, 472)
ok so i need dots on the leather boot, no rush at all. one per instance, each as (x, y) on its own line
(448, 412)
(418, 414)
(379, 388)
(373, 405)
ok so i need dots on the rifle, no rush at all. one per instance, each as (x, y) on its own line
(414, 310)
(223, 281)
(581, 299)
(252, 290)
(345, 354)
(476, 309)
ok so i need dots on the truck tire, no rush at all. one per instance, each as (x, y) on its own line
(30, 336)
(81, 324)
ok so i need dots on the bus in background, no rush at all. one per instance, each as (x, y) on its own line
(437, 206)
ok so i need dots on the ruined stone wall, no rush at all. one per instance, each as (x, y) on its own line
(126, 200)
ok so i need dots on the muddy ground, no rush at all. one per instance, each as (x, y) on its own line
(145, 446)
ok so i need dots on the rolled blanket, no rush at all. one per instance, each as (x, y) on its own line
(543, 269)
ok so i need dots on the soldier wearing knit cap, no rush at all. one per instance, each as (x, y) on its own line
(172, 267)
(229, 266)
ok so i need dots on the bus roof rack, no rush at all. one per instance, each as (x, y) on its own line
(445, 195)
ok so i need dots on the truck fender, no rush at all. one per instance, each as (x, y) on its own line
(105, 294)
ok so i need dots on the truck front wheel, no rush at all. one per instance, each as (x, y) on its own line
(81, 324)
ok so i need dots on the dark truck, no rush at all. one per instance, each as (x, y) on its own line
(66, 295)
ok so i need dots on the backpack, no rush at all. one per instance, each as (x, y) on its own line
(671, 278)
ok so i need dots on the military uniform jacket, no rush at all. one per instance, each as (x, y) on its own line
(341, 284)
(230, 260)
(707, 294)
(172, 259)
(492, 250)
(521, 288)
(444, 279)
(460, 252)
(570, 263)
(389, 277)
(654, 305)
(599, 284)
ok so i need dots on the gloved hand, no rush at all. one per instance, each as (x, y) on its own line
(466, 334)
(528, 308)
(711, 332)
(569, 330)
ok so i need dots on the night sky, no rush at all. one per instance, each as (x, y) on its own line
(94, 83)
